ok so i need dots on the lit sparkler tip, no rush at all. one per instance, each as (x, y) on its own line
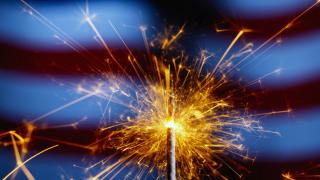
(170, 124)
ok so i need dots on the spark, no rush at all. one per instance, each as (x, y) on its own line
(19, 156)
(167, 42)
(274, 36)
(240, 33)
(287, 176)
(96, 91)
(312, 172)
(91, 148)
(29, 159)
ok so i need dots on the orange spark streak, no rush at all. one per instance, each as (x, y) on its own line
(27, 160)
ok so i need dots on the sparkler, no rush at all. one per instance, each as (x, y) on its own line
(177, 122)
(177, 109)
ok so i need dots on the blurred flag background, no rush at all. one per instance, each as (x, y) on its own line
(39, 71)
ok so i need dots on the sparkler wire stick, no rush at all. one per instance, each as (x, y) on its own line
(171, 159)
(171, 171)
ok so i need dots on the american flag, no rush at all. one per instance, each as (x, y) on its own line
(45, 55)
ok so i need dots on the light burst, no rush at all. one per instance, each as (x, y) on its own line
(205, 128)
(178, 99)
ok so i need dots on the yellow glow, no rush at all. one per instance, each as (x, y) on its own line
(170, 124)
(203, 123)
